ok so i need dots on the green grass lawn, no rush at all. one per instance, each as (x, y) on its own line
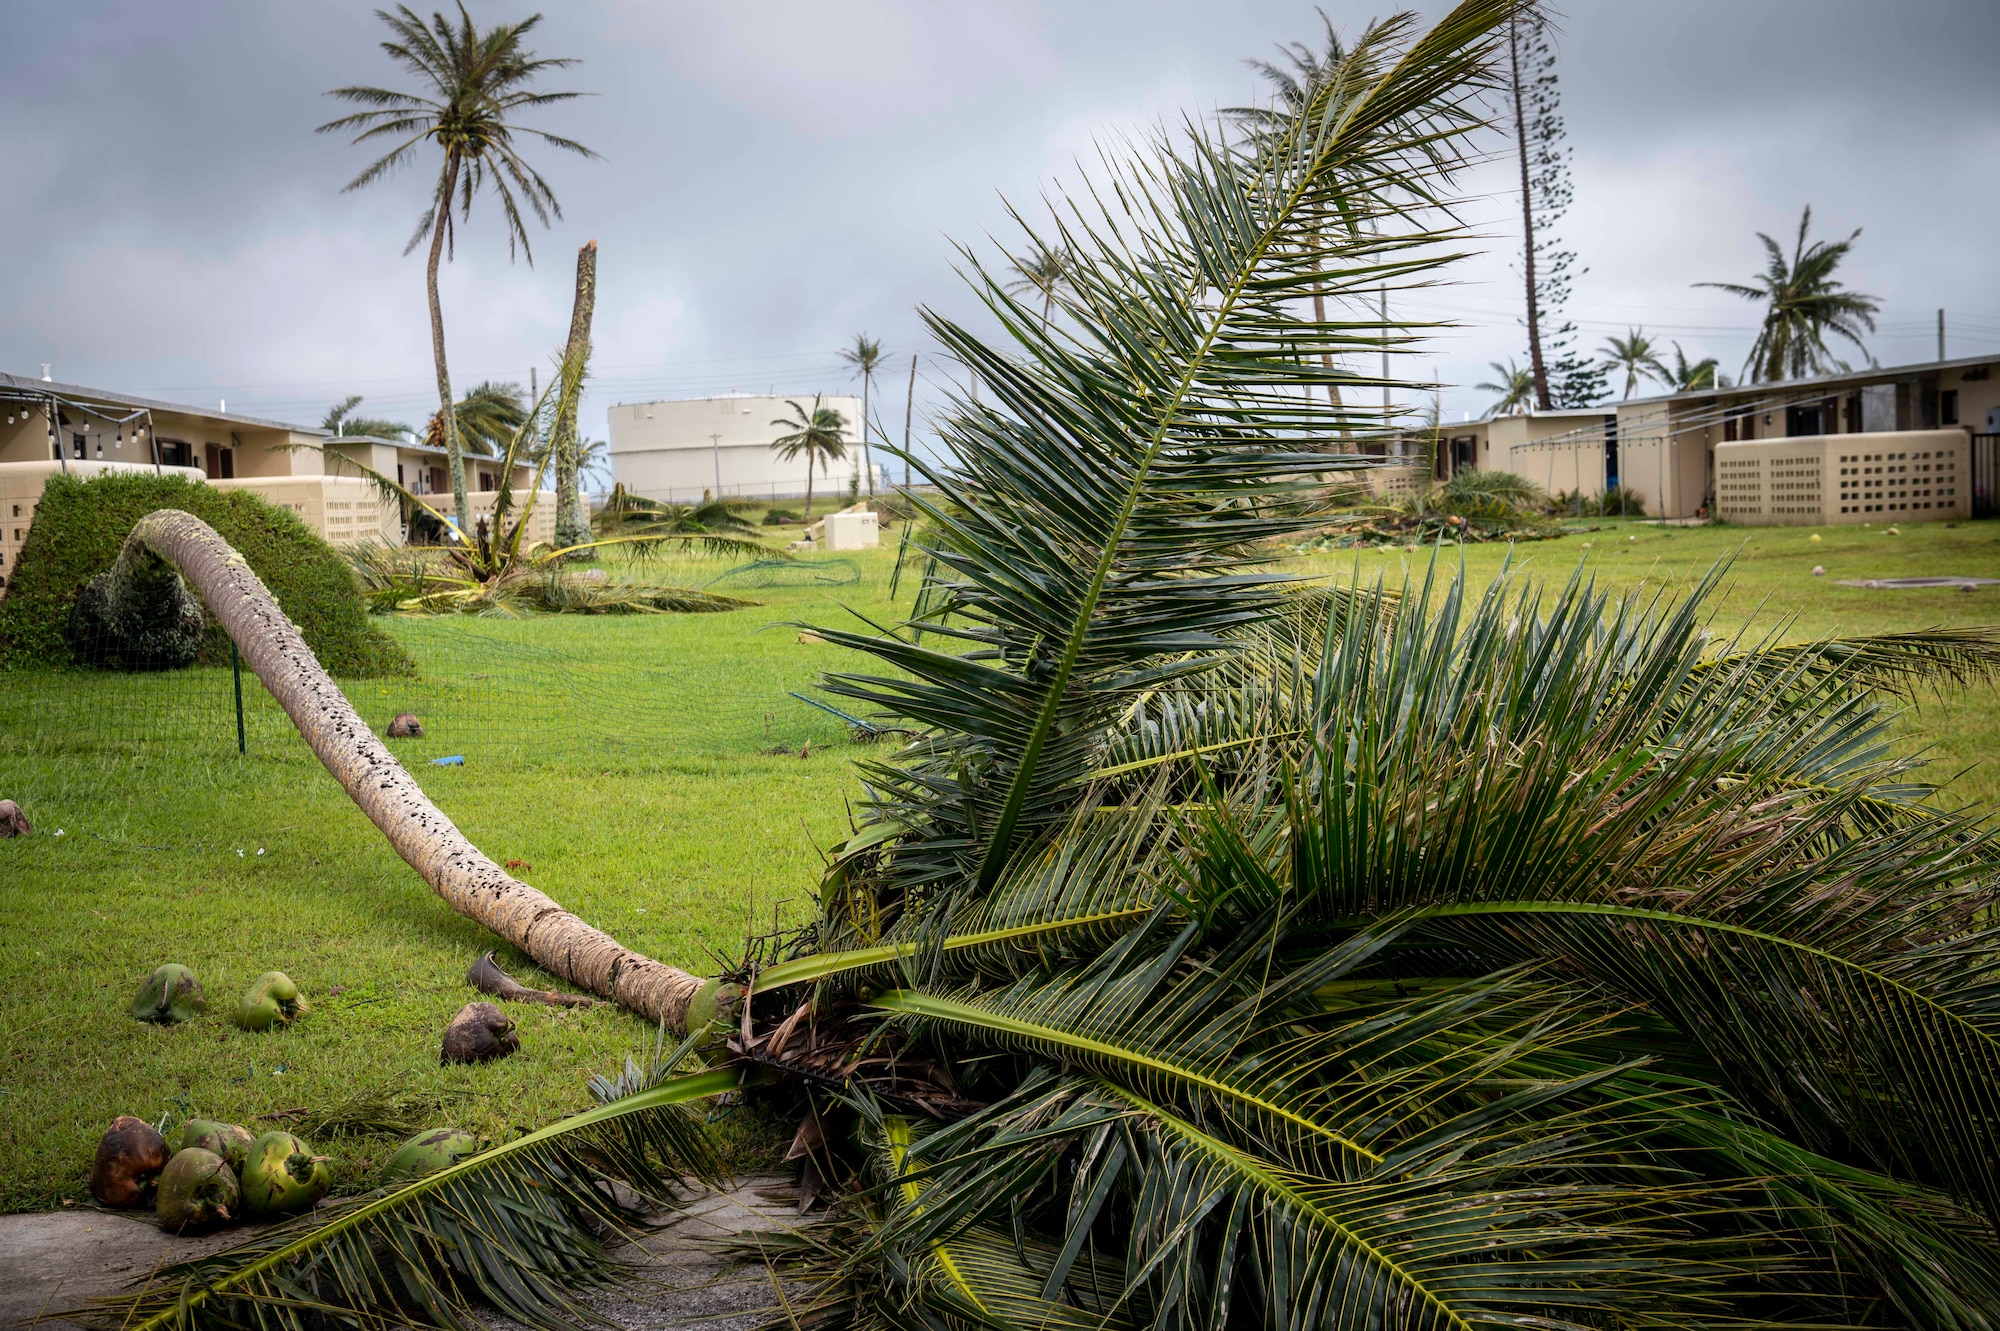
(626, 761)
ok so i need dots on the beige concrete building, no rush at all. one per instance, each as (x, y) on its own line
(676, 450)
(49, 428)
(1670, 449)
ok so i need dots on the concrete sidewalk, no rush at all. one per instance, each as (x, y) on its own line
(60, 1259)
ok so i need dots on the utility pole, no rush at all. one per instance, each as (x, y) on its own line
(1940, 334)
(534, 390)
(1385, 360)
(909, 406)
(715, 445)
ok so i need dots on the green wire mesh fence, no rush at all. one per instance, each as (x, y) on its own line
(598, 693)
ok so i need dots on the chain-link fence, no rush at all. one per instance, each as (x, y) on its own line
(607, 693)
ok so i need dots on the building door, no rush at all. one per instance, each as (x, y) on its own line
(1801, 421)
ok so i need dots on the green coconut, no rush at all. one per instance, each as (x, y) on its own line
(227, 1140)
(428, 1152)
(170, 994)
(281, 1174)
(712, 1012)
(197, 1188)
(271, 1000)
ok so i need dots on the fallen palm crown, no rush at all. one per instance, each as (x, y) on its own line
(1229, 952)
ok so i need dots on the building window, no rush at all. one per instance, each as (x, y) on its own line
(1948, 407)
(76, 445)
(487, 482)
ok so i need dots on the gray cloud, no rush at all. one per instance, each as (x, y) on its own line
(781, 175)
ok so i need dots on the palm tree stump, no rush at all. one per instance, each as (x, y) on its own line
(470, 883)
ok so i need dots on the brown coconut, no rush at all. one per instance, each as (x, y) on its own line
(129, 1158)
(478, 1034)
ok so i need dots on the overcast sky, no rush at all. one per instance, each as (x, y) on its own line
(777, 176)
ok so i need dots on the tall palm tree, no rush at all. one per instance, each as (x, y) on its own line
(1691, 376)
(486, 418)
(1635, 354)
(1041, 271)
(1802, 304)
(472, 84)
(865, 356)
(1229, 951)
(820, 434)
(1514, 383)
(342, 418)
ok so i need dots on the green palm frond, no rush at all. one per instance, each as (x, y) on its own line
(1100, 504)
(517, 1228)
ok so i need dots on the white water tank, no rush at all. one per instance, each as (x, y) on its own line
(853, 531)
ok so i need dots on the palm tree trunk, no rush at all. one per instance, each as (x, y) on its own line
(469, 882)
(1326, 359)
(809, 487)
(909, 410)
(1541, 370)
(454, 454)
(572, 526)
(867, 465)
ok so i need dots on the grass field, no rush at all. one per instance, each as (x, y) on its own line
(659, 817)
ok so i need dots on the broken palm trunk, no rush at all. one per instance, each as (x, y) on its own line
(469, 882)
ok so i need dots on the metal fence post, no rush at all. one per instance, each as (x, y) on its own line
(236, 671)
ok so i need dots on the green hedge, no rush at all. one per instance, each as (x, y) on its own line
(81, 525)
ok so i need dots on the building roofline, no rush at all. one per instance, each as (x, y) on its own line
(1873, 372)
(86, 396)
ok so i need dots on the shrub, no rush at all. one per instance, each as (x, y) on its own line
(81, 525)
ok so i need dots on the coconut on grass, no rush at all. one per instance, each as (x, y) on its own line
(227, 1140)
(130, 1156)
(282, 1175)
(170, 995)
(197, 1189)
(428, 1152)
(271, 1000)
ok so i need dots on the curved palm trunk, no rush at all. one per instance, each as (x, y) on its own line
(470, 883)
(867, 459)
(454, 452)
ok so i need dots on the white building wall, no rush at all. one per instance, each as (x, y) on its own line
(675, 450)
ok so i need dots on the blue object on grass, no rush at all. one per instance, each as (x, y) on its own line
(456, 760)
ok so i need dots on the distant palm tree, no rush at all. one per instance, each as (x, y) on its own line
(341, 419)
(1691, 376)
(1515, 385)
(820, 434)
(1045, 270)
(487, 418)
(1803, 304)
(865, 355)
(471, 83)
(1634, 353)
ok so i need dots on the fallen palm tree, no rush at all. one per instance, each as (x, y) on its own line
(457, 871)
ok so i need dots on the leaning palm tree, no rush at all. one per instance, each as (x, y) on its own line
(1802, 304)
(472, 85)
(864, 356)
(819, 434)
(1637, 356)
(1515, 384)
(1688, 376)
(343, 418)
(486, 418)
(1227, 950)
